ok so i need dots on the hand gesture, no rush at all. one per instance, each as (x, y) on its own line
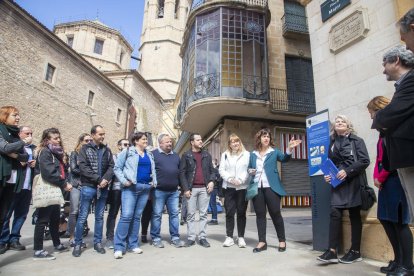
(210, 187)
(341, 175)
(187, 194)
(127, 184)
(103, 183)
(377, 183)
(327, 178)
(68, 187)
(294, 143)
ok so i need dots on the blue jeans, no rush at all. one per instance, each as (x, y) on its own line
(213, 204)
(86, 197)
(134, 199)
(20, 207)
(160, 199)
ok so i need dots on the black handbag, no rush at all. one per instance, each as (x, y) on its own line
(368, 196)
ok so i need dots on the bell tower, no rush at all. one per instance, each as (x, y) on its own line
(161, 39)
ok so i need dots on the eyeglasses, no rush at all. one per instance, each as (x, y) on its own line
(87, 140)
(125, 144)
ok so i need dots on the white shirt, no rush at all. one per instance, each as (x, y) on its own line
(26, 185)
(260, 176)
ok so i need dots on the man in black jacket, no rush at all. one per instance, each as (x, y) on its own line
(397, 118)
(96, 171)
(197, 181)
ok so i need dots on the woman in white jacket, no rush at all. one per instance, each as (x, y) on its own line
(233, 170)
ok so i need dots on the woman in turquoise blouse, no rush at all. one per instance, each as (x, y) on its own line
(264, 171)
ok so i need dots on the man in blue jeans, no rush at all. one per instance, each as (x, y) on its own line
(21, 202)
(96, 170)
(167, 166)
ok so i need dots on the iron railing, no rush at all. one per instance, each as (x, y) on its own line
(209, 86)
(294, 23)
(198, 3)
(290, 101)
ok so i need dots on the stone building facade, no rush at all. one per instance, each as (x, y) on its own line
(99, 44)
(247, 64)
(55, 86)
(161, 38)
(146, 101)
(347, 50)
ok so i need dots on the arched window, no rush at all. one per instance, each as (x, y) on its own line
(160, 13)
(176, 9)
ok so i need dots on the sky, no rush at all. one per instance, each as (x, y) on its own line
(123, 15)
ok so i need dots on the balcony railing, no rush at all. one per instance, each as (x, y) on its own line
(294, 24)
(295, 102)
(209, 86)
(198, 3)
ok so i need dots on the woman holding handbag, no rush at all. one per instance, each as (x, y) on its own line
(52, 171)
(263, 167)
(233, 170)
(135, 169)
(11, 154)
(349, 154)
(392, 208)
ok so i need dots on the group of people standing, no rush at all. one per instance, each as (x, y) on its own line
(394, 163)
(92, 174)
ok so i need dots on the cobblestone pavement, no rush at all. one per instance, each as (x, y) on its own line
(299, 259)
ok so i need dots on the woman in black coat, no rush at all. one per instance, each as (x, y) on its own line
(11, 154)
(349, 153)
(53, 170)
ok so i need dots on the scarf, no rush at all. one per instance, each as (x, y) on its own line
(11, 135)
(56, 151)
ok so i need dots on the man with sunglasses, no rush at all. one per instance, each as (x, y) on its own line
(114, 200)
(21, 203)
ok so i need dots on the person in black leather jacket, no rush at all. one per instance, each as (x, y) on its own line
(197, 181)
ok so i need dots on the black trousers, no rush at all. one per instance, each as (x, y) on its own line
(335, 226)
(401, 240)
(6, 200)
(47, 215)
(146, 218)
(235, 202)
(114, 200)
(266, 197)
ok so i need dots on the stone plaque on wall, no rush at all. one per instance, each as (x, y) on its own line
(348, 31)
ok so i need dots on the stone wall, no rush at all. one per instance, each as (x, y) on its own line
(85, 33)
(26, 49)
(278, 46)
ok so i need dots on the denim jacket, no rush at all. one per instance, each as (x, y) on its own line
(126, 166)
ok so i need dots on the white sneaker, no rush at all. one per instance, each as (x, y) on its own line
(137, 250)
(241, 243)
(118, 254)
(228, 242)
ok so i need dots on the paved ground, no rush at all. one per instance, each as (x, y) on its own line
(299, 259)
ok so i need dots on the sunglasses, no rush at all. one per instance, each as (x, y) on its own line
(125, 144)
(87, 140)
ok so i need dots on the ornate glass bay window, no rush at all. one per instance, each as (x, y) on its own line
(225, 55)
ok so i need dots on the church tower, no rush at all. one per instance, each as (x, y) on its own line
(161, 39)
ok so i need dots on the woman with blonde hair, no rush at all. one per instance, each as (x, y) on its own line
(233, 170)
(349, 154)
(392, 208)
(83, 139)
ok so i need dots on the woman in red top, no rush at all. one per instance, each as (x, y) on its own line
(392, 206)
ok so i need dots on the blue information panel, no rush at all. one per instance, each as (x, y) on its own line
(317, 133)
